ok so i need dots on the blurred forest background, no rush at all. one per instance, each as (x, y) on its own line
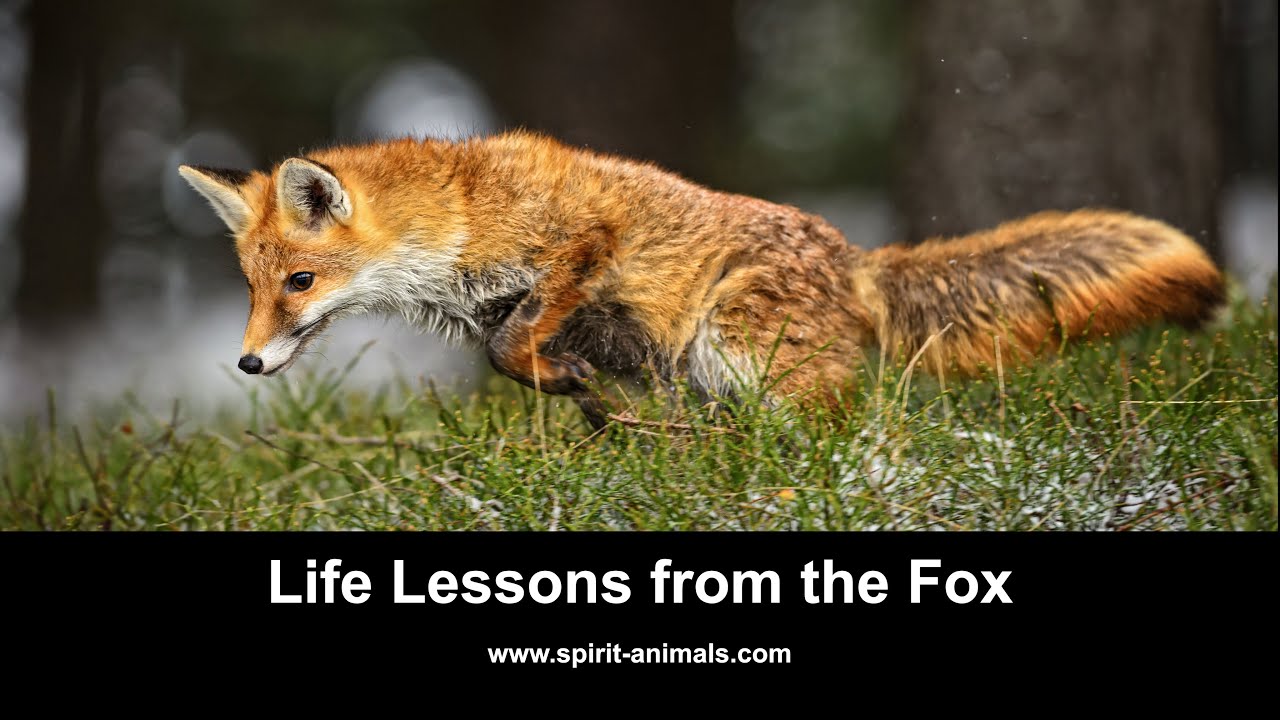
(895, 120)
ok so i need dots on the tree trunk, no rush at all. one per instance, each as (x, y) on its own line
(1024, 106)
(62, 215)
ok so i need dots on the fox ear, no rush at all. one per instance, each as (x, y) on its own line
(222, 189)
(312, 194)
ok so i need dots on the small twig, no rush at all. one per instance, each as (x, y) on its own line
(1106, 466)
(299, 456)
(863, 495)
(1197, 402)
(540, 418)
(1054, 406)
(637, 422)
(946, 397)
(444, 483)
(1000, 378)
(366, 441)
(373, 479)
(904, 384)
(898, 506)
(1171, 506)
(336, 439)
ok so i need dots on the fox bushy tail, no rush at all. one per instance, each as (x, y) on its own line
(1032, 283)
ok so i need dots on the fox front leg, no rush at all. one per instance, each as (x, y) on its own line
(515, 350)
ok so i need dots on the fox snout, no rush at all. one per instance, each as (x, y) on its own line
(251, 364)
(274, 338)
(269, 353)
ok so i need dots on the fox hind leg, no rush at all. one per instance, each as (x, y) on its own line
(727, 361)
(516, 350)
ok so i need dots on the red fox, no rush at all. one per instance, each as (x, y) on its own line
(557, 261)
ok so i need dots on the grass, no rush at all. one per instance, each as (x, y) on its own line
(1163, 429)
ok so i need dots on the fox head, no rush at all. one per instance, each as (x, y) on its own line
(302, 247)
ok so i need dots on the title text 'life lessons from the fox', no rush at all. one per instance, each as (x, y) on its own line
(328, 582)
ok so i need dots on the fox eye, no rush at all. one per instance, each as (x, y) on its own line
(301, 281)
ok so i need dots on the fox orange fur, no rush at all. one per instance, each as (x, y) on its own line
(558, 261)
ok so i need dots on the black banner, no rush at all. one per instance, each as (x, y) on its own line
(640, 601)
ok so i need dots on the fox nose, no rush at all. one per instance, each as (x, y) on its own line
(251, 364)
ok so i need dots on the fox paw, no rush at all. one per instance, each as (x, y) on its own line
(565, 374)
(579, 368)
